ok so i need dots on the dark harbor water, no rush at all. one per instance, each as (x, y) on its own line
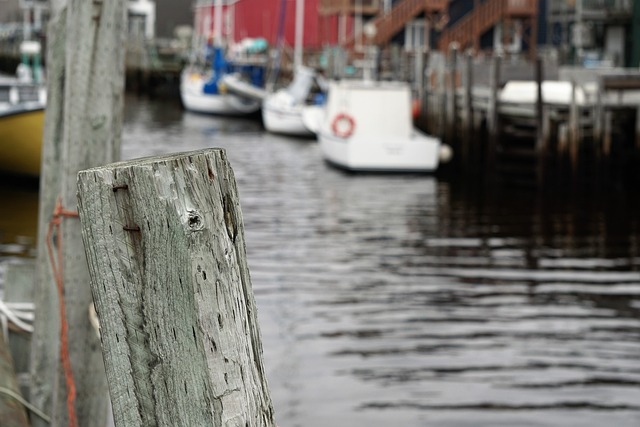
(390, 300)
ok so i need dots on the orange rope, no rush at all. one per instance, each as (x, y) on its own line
(54, 225)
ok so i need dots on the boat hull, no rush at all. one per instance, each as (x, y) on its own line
(367, 126)
(286, 121)
(418, 153)
(196, 100)
(21, 131)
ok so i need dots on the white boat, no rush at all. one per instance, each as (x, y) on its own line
(282, 111)
(201, 92)
(239, 86)
(367, 126)
(202, 89)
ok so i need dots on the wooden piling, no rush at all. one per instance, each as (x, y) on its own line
(541, 142)
(492, 110)
(85, 96)
(598, 119)
(451, 96)
(164, 239)
(574, 130)
(637, 136)
(441, 103)
(467, 127)
(606, 144)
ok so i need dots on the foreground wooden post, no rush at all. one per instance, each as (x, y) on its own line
(165, 245)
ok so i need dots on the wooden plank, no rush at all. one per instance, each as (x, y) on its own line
(165, 244)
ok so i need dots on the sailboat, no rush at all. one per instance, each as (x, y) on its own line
(202, 87)
(282, 110)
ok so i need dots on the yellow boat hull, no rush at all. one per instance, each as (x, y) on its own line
(21, 141)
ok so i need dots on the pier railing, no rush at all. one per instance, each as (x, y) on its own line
(594, 6)
(401, 13)
(367, 7)
(484, 17)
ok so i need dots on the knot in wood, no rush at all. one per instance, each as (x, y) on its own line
(194, 221)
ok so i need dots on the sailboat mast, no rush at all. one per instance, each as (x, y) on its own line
(297, 58)
(217, 23)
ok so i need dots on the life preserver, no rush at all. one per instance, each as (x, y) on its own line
(343, 125)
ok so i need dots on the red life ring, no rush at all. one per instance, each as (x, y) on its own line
(343, 125)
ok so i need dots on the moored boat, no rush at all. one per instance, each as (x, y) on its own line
(367, 126)
(21, 128)
(282, 110)
(22, 107)
(202, 88)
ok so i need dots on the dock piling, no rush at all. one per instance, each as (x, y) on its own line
(178, 320)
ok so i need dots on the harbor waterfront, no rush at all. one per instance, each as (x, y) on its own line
(414, 299)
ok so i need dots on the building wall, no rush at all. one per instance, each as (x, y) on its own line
(260, 18)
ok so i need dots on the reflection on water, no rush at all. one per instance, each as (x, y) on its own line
(412, 301)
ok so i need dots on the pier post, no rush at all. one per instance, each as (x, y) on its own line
(452, 114)
(598, 119)
(637, 128)
(165, 244)
(441, 106)
(606, 145)
(574, 128)
(541, 142)
(492, 110)
(83, 122)
(467, 127)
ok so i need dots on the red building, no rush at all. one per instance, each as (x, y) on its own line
(261, 18)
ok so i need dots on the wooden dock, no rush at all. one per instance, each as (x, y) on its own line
(559, 123)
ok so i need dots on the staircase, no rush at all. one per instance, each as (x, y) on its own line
(467, 31)
(387, 25)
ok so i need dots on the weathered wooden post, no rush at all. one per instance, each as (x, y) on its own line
(85, 94)
(165, 244)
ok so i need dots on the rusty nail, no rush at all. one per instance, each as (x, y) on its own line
(128, 228)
